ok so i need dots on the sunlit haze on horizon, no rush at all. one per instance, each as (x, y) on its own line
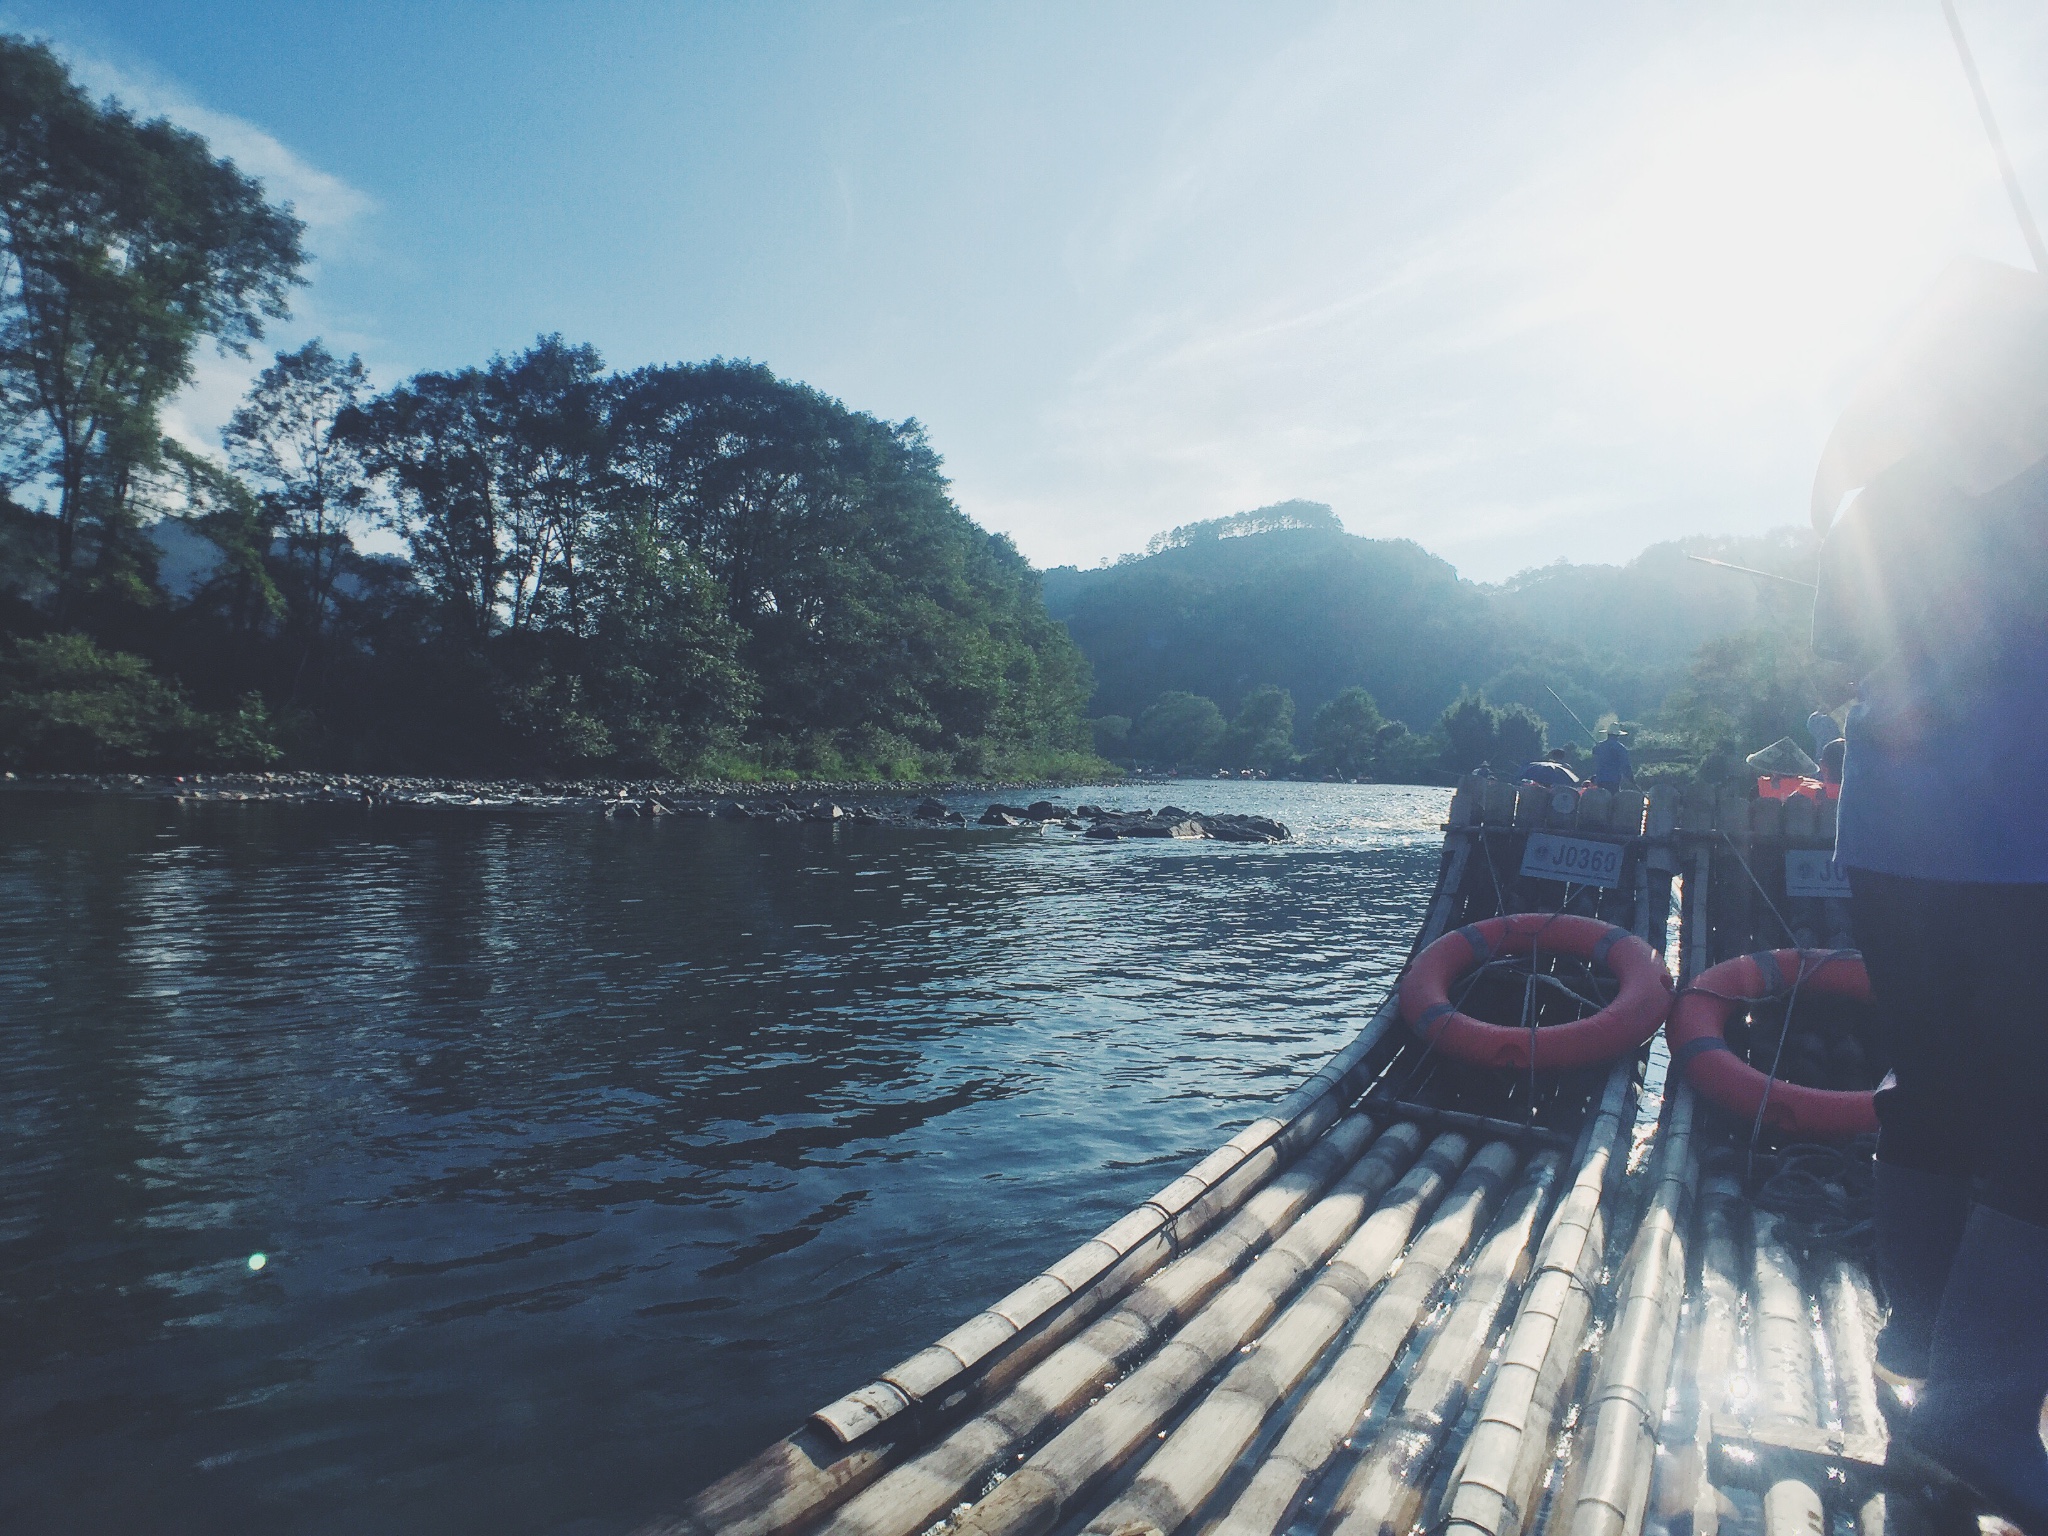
(1519, 283)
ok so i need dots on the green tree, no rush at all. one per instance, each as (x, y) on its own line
(1262, 734)
(311, 481)
(125, 242)
(875, 610)
(1111, 735)
(1744, 691)
(1179, 730)
(1471, 732)
(1345, 734)
(1519, 735)
(1406, 757)
(66, 703)
(492, 473)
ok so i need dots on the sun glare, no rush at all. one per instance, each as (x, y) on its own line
(1759, 237)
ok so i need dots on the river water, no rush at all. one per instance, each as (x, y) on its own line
(584, 1158)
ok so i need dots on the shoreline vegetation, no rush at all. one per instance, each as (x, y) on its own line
(532, 565)
(538, 569)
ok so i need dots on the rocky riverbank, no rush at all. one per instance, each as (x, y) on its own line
(1098, 821)
(650, 800)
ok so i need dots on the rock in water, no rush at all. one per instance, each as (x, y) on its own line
(1045, 810)
(1246, 829)
(929, 809)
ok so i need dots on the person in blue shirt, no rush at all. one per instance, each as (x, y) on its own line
(1933, 587)
(1550, 772)
(1611, 767)
(1820, 725)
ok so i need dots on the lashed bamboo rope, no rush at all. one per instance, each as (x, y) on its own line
(1183, 1472)
(1785, 1362)
(909, 1497)
(1504, 1456)
(1618, 1434)
(1104, 1437)
(1384, 1493)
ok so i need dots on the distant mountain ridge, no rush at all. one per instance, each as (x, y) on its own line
(1282, 595)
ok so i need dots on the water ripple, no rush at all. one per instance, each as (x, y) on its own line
(587, 1157)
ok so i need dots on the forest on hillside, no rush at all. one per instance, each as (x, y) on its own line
(698, 567)
(1275, 641)
(536, 565)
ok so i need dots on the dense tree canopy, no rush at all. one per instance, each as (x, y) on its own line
(1261, 737)
(696, 565)
(1357, 630)
(125, 243)
(683, 567)
(687, 566)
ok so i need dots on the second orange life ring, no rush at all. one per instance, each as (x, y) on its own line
(1699, 1043)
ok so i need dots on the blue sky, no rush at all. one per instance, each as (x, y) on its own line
(1519, 282)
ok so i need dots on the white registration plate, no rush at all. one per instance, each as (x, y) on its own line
(1814, 872)
(1577, 859)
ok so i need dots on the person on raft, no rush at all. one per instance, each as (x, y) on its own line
(1611, 767)
(1933, 586)
(1550, 771)
(1820, 725)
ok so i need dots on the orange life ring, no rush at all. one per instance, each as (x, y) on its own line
(1621, 1026)
(1699, 1043)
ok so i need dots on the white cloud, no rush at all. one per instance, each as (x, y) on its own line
(337, 215)
(332, 208)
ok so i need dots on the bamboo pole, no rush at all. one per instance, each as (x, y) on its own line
(1848, 1310)
(851, 1441)
(1785, 1373)
(1718, 1342)
(1183, 1472)
(1384, 1493)
(1504, 1457)
(911, 1496)
(1104, 1437)
(1332, 1410)
(1619, 1432)
(1056, 1303)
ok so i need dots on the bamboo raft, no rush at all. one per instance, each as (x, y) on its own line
(1419, 1294)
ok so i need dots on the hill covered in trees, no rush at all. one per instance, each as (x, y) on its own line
(682, 568)
(1383, 660)
(534, 564)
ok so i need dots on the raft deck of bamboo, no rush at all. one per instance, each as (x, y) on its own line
(1416, 1294)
